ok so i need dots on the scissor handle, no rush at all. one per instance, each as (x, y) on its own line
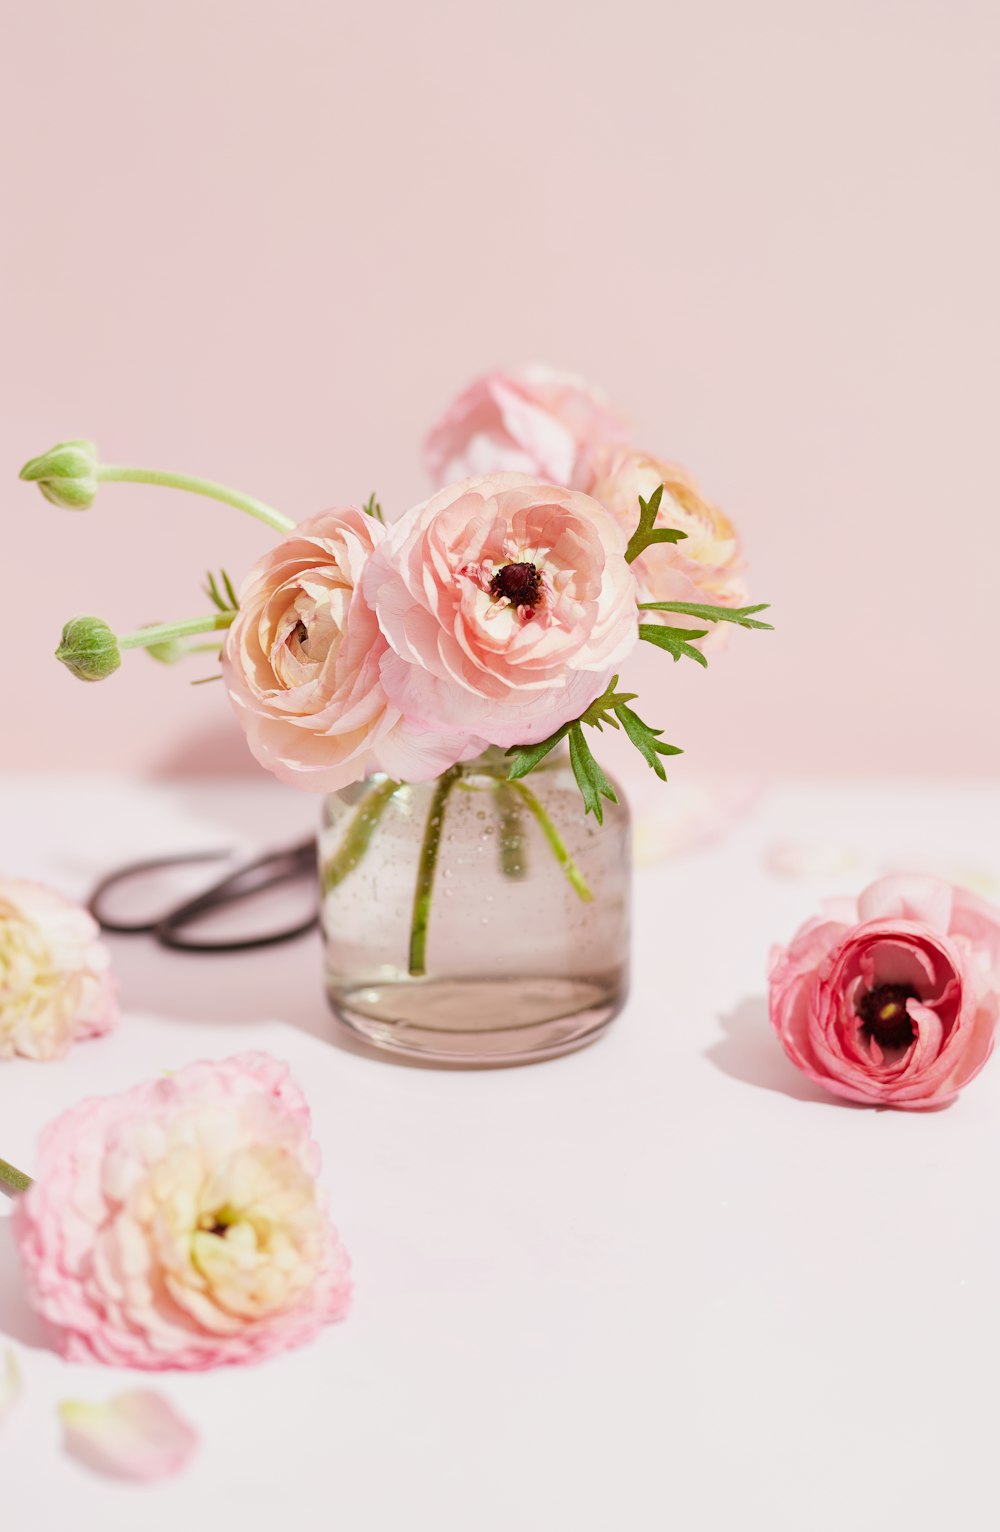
(267, 871)
(135, 870)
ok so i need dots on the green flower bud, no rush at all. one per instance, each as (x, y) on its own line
(66, 474)
(89, 649)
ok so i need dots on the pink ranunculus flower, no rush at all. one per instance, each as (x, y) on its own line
(301, 663)
(706, 567)
(506, 604)
(180, 1225)
(55, 976)
(892, 1001)
(549, 424)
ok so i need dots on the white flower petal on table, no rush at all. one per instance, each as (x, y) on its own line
(10, 1383)
(137, 1435)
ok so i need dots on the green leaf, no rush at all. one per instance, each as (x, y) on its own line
(527, 757)
(227, 602)
(611, 707)
(646, 740)
(647, 532)
(600, 710)
(591, 780)
(677, 641)
(742, 615)
(372, 507)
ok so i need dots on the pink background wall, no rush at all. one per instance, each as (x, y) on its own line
(266, 242)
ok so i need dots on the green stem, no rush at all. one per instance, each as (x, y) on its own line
(13, 1180)
(114, 473)
(143, 637)
(426, 870)
(513, 850)
(555, 840)
(359, 833)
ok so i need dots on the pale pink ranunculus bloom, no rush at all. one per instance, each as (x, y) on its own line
(55, 975)
(892, 1001)
(180, 1225)
(506, 603)
(533, 420)
(706, 567)
(301, 664)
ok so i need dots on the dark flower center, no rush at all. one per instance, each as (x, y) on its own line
(883, 1014)
(520, 583)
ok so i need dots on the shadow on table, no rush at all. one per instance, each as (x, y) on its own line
(18, 1320)
(749, 1051)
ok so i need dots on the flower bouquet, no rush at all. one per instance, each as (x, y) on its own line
(440, 678)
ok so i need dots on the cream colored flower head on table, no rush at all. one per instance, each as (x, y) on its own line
(180, 1224)
(55, 980)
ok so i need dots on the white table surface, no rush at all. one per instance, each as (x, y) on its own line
(663, 1283)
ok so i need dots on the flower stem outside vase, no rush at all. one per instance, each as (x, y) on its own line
(13, 1180)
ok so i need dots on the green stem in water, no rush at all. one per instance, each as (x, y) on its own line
(13, 1180)
(426, 870)
(113, 473)
(359, 832)
(143, 637)
(555, 840)
(513, 848)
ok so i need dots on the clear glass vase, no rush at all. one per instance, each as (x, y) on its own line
(471, 920)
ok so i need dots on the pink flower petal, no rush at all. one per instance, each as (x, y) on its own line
(901, 897)
(10, 1383)
(137, 1435)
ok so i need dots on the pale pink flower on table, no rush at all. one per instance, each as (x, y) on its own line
(137, 1435)
(301, 664)
(706, 567)
(506, 604)
(180, 1225)
(533, 420)
(892, 1001)
(55, 977)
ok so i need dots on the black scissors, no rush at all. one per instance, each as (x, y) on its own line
(292, 864)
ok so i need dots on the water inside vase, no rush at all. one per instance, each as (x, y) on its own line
(526, 950)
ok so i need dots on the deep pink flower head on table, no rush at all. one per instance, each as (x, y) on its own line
(534, 420)
(892, 1001)
(506, 604)
(56, 986)
(301, 664)
(180, 1224)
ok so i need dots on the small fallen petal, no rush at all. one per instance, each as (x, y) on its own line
(10, 1383)
(137, 1435)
